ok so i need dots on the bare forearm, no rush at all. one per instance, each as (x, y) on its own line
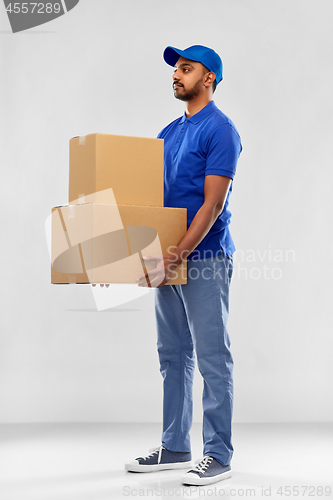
(200, 226)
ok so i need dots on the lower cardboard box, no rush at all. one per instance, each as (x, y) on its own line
(105, 243)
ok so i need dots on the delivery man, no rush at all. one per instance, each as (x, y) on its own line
(201, 150)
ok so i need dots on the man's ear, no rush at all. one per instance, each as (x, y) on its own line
(210, 77)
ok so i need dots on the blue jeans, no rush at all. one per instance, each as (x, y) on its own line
(191, 322)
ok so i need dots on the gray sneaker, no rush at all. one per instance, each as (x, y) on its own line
(207, 471)
(161, 459)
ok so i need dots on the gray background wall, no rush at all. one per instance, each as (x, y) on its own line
(99, 68)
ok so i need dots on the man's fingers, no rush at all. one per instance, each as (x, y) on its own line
(152, 257)
(148, 275)
(154, 282)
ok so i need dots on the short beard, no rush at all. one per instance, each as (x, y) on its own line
(190, 94)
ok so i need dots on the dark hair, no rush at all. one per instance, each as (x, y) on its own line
(206, 70)
(214, 85)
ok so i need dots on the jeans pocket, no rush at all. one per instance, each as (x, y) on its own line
(230, 257)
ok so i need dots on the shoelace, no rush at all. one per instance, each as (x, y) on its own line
(203, 465)
(153, 452)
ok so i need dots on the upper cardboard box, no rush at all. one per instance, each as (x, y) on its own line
(132, 166)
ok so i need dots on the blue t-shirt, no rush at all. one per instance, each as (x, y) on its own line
(206, 143)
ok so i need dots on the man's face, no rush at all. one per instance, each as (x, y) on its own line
(188, 79)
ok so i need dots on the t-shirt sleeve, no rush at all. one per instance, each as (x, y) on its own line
(224, 148)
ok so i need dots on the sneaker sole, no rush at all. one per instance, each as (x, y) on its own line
(195, 480)
(136, 467)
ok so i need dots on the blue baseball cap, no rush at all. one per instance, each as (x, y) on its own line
(206, 56)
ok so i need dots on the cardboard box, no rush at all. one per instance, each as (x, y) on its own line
(132, 166)
(104, 243)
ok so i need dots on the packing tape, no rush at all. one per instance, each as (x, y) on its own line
(82, 140)
(81, 198)
(71, 280)
(71, 211)
(67, 239)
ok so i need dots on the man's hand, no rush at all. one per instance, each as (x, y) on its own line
(164, 270)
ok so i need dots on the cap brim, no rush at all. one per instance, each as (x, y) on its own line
(171, 55)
